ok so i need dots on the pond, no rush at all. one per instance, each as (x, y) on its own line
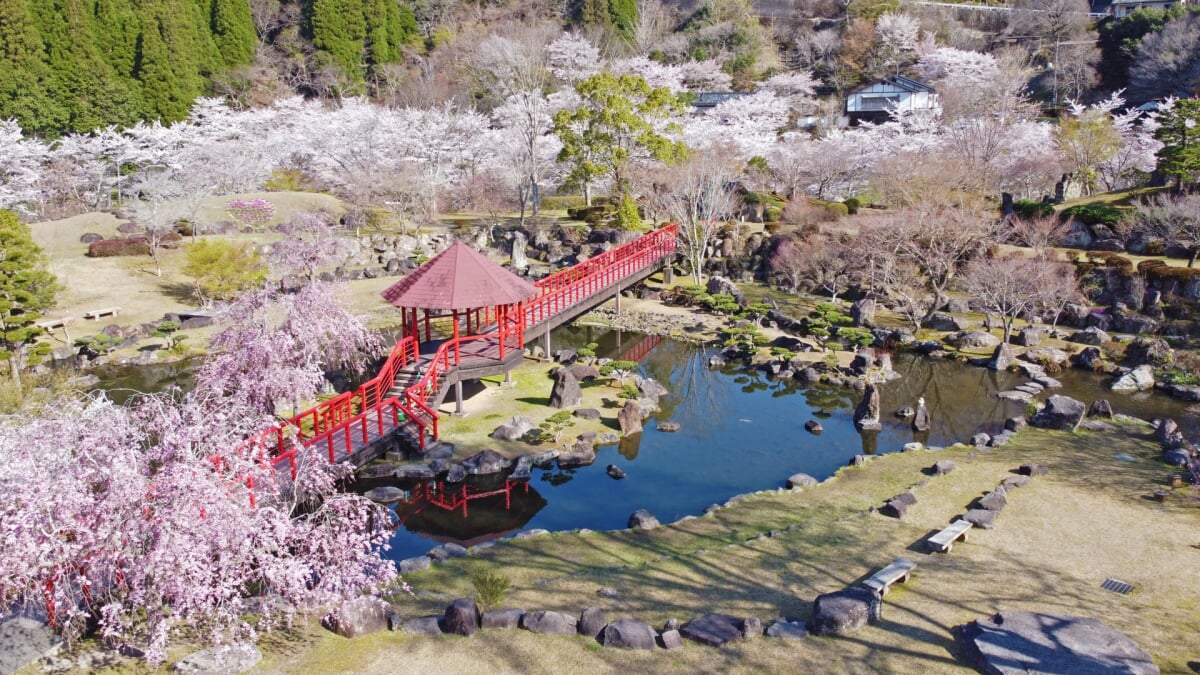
(740, 431)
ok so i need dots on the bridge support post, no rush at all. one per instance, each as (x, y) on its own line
(668, 272)
(618, 298)
(546, 344)
(458, 398)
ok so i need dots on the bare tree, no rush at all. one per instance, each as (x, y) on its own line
(1168, 62)
(1039, 233)
(699, 195)
(914, 254)
(1012, 286)
(821, 262)
(1174, 218)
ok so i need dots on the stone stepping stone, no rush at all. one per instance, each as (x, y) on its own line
(234, 658)
(1015, 395)
(1030, 388)
(630, 634)
(1028, 642)
(549, 623)
(713, 630)
(1048, 382)
(501, 618)
(981, 518)
(782, 628)
(425, 625)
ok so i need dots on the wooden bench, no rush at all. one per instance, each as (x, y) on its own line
(50, 324)
(97, 313)
(943, 541)
(882, 581)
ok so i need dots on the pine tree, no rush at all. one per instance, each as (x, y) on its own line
(25, 79)
(339, 30)
(624, 16)
(27, 290)
(378, 16)
(233, 29)
(117, 29)
(164, 95)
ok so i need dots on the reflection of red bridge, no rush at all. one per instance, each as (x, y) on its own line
(452, 498)
(415, 377)
(639, 349)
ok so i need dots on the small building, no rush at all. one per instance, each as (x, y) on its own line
(707, 100)
(1123, 8)
(900, 94)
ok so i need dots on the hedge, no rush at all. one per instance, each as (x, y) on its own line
(563, 202)
(1032, 208)
(1157, 269)
(1094, 214)
(119, 247)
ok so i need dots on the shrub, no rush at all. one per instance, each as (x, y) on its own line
(592, 215)
(628, 217)
(110, 248)
(289, 180)
(629, 391)
(222, 269)
(1113, 350)
(490, 589)
(852, 205)
(837, 209)
(1032, 208)
(1094, 214)
(1123, 265)
(772, 214)
(563, 202)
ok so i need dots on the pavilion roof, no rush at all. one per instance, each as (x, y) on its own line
(459, 278)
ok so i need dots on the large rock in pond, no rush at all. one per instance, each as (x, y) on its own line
(514, 429)
(385, 494)
(866, 415)
(1089, 359)
(566, 392)
(630, 419)
(1149, 351)
(713, 630)
(629, 634)
(975, 339)
(549, 623)
(486, 462)
(462, 617)
(1062, 413)
(359, 616)
(582, 453)
(1090, 336)
(921, 419)
(843, 612)
(1002, 358)
(1018, 643)
(1138, 379)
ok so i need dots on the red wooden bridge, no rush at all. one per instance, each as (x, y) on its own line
(406, 393)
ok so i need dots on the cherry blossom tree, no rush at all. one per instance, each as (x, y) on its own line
(699, 195)
(820, 262)
(1014, 286)
(572, 59)
(21, 170)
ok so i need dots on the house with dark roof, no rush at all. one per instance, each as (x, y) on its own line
(900, 94)
(707, 100)
(1123, 8)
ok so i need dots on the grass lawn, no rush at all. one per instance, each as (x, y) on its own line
(1059, 538)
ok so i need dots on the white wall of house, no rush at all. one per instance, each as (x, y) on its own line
(884, 96)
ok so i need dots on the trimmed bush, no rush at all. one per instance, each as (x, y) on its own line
(1120, 263)
(564, 202)
(1094, 214)
(852, 205)
(772, 214)
(111, 248)
(1032, 208)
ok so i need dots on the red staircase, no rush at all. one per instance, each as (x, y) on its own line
(353, 420)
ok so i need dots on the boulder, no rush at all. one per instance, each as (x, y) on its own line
(587, 414)
(975, 339)
(671, 639)
(592, 622)
(723, 286)
(980, 440)
(425, 625)
(1089, 359)
(417, 564)
(801, 480)
(614, 472)
(486, 462)
(457, 473)
(461, 618)
(1090, 336)
(1029, 337)
(447, 551)
(1177, 457)
(752, 627)
(629, 634)
(843, 612)
(1138, 379)
(23, 641)
(514, 429)
(414, 472)
(501, 618)
(981, 518)
(862, 313)
(866, 415)
(813, 427)
(895, 508)
(1032, 470)
(233, 658)
(584, 373)
(946, 322)
(1062, 413)
(650, 388)
(630, 419)
(1014, 482)
(713, 630)
(1167, 433)
(1016, 643)
(999, 440)
(642, 520)
(1002, 358)
(1041, 355)
(1015, 424)
(566, 392)
(942, 467)
(809, 375)
(782, 628)
(549, 623)
(668, 427)
(995, 500)
(1149, 351)
(914, 446)
(582, 453)
(360, 616)
(385, 494)
(1100, 408)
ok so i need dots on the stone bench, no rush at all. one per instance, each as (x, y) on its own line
(943, 541)
(882, 581)
(50, 324)
(97, 313)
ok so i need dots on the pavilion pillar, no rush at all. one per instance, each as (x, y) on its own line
(457, 351)
(500, 329)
